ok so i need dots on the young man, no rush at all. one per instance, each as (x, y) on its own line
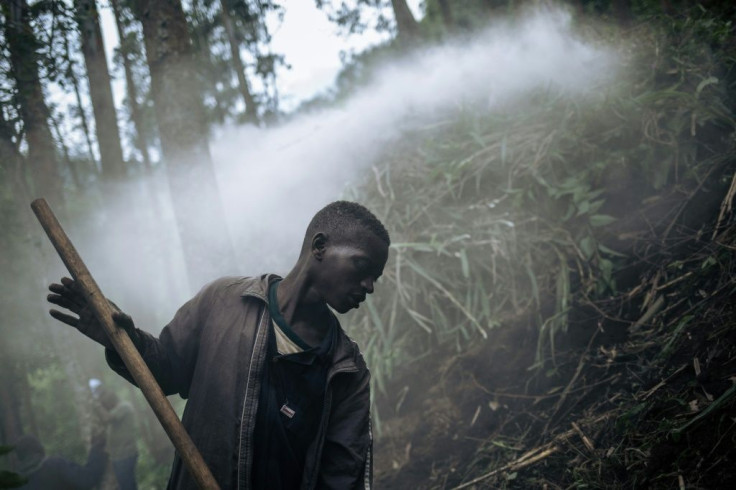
(278, 395)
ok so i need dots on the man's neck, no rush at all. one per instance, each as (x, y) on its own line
(303, 310)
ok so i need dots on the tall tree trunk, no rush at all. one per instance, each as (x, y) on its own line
(183, 131)
(136, 116)
(203, 59)
(251, 111)
(11, 166)
(12, 162)
(65, 151)
(106, 123)
(621, 10)
(82, 114)
(446, 11)
(25, 398)
(12, 426)
(151, 210)
(407, 26)
(23, 46)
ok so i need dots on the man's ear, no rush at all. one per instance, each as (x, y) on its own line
(319, 244)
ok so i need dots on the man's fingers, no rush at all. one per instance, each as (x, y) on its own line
(64, 318)
(69, 290)
(63, 302)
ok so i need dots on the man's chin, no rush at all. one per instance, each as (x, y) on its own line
(343, 308)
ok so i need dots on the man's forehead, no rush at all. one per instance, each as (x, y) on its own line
(365, 240)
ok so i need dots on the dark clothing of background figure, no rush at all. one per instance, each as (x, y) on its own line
(121, 444)
(125, 472)
(213, 353)
(58, 473)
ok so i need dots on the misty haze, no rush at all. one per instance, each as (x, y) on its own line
(557, 179)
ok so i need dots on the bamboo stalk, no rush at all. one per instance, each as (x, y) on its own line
(125, 348)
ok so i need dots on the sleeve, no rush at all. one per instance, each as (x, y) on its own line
(347, 459)
(173, 355)
(87, 476)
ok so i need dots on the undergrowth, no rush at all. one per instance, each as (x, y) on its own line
(560, 278)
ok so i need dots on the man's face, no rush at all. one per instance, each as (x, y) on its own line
(349, 268)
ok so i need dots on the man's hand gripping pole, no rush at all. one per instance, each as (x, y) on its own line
(125, 348)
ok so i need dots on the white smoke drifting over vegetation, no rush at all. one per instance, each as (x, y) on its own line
(272, 180)
(275, 179)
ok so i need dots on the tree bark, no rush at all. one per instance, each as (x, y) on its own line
(446, 12)
(131, 88)
(406, 25)
(65, 152)
(82, 114)
(183, 131)
(621, 11)
(251, 110)
(12, 426)
(106, 123)
(23, 46)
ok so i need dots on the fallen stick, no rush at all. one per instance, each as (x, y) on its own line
(125, 348)
(526, 460)
(537, 454)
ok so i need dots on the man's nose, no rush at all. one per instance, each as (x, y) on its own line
(368, 285)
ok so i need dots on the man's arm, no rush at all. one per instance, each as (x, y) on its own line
(170, 357)
(347, 459)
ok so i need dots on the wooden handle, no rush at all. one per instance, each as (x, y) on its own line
(125, 348)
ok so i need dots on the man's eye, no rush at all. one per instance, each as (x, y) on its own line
(362, 265)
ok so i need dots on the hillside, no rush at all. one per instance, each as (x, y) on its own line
(558, 310)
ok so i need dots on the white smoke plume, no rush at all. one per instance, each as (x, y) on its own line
(272, 180)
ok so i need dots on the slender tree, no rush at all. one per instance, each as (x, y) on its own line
(447, 17)
(106, 123)
(65, 152)
(136, 115)
(406, 25)
(72, 76)
(183, 132)
(23, 47)
(251, 110)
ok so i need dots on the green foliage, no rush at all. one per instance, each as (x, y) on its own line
(57, 420)
(8, 479)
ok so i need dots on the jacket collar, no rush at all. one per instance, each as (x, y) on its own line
(345, 352)
(257, 286)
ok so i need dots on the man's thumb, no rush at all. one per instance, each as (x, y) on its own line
(123, 321)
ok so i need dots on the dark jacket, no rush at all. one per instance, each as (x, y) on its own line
(213, 352)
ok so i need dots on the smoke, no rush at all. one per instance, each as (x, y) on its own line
(272, 180)
(275, 179)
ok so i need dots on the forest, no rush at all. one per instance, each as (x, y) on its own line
(558, 179)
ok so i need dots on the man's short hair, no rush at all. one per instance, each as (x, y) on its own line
(342, 218)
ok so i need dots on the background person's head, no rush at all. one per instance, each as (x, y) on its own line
(108, 398)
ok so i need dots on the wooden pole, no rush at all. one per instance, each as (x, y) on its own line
(125, 348)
